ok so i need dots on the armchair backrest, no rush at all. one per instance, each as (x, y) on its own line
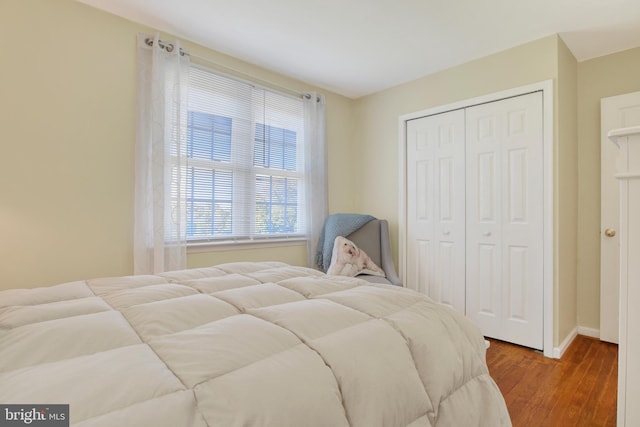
(373, 238)
(367, 238)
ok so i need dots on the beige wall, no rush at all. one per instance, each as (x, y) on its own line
(597, 78)
(67, 160)
(67, 114)
(566, 195)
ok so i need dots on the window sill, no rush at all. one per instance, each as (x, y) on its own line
(200, 247)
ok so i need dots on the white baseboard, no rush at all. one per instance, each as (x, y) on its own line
(589, 332)
(580, 330)
(559, 351)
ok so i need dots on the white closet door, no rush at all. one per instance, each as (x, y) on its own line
(504, 219)
(435, 207)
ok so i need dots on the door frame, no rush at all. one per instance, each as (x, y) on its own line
(546, 87)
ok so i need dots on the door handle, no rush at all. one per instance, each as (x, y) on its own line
(486, 233)
(609, 232)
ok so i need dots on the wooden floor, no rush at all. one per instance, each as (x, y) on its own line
(578, 390)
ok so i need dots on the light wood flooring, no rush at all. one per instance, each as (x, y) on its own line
(578, 390)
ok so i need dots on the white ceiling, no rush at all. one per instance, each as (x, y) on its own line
(358, 47)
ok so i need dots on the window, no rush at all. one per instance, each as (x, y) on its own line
(246, 161)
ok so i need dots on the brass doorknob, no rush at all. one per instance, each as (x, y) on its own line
(609, 232)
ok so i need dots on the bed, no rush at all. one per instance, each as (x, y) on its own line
(244, 344)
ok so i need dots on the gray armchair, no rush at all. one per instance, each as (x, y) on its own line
(373, 238)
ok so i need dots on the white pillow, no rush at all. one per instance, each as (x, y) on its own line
(349, 260)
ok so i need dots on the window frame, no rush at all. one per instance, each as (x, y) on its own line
(244, 187)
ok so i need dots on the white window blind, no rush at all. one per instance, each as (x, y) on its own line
(246, 161)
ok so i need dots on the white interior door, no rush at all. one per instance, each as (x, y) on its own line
(436, 207)
(504, 219)
(616, 112)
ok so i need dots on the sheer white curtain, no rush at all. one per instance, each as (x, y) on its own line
(160, 168)
(316, 165)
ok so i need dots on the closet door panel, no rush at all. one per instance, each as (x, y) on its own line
(484, 252)
(517, 283)
(422, 268)
(445, 280)
(505, 210)
(486, 297)
(435, 207)
(523, 220)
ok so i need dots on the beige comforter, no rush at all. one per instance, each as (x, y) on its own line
(244, 344)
